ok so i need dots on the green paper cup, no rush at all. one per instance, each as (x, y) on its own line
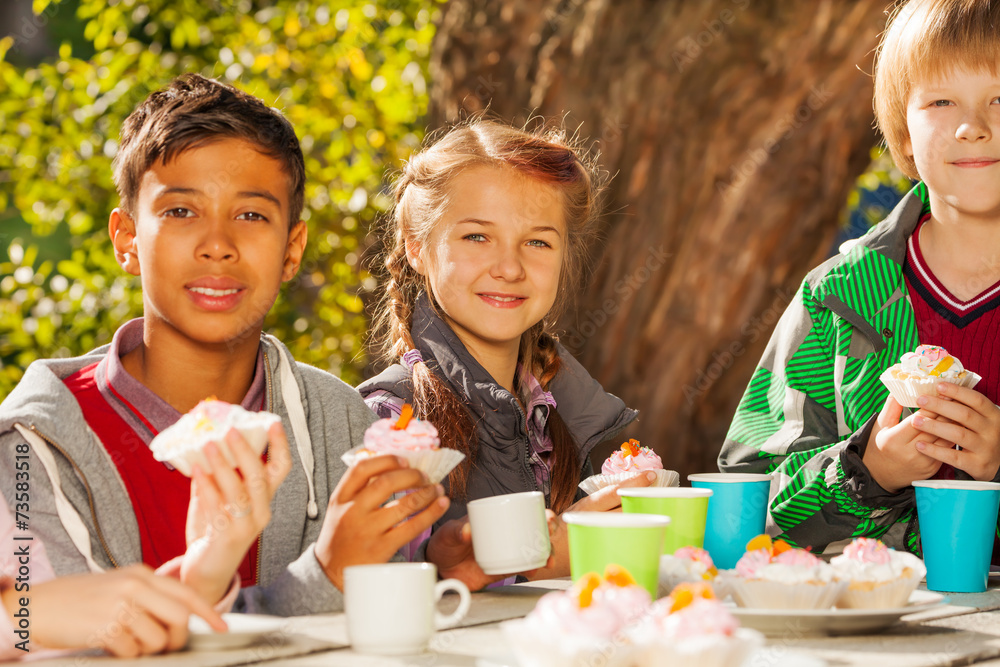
(633, 541)
(687, 509)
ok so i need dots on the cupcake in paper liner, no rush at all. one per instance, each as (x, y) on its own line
(182, 444)
(625, 463)
(877, 577)
(774, 575)
(687, 565)
(919, 372)
(409, 438)
(692, 628)
(583, 626)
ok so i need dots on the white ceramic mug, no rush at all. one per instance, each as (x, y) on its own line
(509, 532)
(392, 607)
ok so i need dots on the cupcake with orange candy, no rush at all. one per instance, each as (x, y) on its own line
(775, 575)
(919, 372)
(692, 628)
(581, 626)
(627, 461)
(410, 438)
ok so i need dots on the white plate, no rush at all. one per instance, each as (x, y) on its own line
(805, 622)
(244, 630)
(772, 656)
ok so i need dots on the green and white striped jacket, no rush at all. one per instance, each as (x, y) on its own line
(811, 404)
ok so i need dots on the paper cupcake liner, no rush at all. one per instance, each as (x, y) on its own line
(906, 392)
(535, 648)
(255, 435)
(760, 594)
(435, 463)
(708, 651)
(597, 482)
(878, 595)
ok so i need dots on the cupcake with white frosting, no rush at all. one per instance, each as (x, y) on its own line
(877, 577)
(182, 444)
(584, 625)
(692, 628)
(919, 372)
(686, 565)
(775, 575)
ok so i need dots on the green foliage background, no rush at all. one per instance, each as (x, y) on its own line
(349, 76)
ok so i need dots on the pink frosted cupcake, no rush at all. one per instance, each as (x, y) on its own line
(582, 626)
(686, 565)
(410, 438)
(919, 372)
(625, 463)
(878, 577)
(691, 628)
(774, 575)
(181, 444)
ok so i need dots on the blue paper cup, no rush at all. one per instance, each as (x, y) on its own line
(957, 522)
(737, 512)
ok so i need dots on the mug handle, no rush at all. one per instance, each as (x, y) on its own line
(440, 620)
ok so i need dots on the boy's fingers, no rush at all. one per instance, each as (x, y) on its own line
(942, 453)
(279, 457)
(153, 636)
(949, 432)
(970, 397)
(381, 489)
(952, 411)
(357, 476)
(228, 482)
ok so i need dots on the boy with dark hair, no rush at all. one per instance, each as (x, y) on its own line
(211, 183)
(816, 415)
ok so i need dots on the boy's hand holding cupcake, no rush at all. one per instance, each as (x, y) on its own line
(950, 413)
(219, 445)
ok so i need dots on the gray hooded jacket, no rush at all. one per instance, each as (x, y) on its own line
(592, 415)
(80, 508)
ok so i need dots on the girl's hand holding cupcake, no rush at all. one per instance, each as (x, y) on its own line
(362, 526)
(960, 416)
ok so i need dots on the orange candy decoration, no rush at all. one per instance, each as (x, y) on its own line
(585, 587)
(764, 542)
(618, 575)
(631, 447)
(405, 415)
(684, 594)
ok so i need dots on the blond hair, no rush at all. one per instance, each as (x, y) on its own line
(926, 40)
(421, 191)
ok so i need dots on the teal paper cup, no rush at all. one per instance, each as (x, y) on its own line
(686, 507)
(957, 522)
(737, 512)
(633, 541)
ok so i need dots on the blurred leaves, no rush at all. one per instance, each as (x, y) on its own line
(349, 76)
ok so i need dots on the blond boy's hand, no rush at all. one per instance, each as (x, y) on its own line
(892, 456)
(362, 526)
(967, 419)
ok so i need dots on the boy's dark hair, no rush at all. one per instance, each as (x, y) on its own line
(193, 111)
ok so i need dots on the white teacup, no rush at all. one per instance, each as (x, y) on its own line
(392, 607)
(509, 532)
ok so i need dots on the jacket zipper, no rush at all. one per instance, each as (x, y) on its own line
(90, 495)
(270, 403)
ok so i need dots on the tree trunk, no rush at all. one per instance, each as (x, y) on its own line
(734, 130)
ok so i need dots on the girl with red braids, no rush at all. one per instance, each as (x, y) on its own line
(487, 239)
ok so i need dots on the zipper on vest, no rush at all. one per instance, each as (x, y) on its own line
(90, 495)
